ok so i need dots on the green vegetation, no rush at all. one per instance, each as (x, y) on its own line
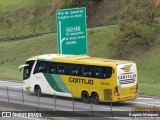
(137, 25)
(78, 3)
(10, 5)
(21, 18)
(15, 53)
(6, 5)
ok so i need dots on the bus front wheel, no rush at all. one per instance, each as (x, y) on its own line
(85, 97)
(37, 90)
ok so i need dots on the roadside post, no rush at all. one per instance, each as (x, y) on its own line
(55, 101)
(73, 102)
(111, 108)
(71, 31)
(38, 100)
(22, 96)
(132, 111)
(91, 108)
(8, 94)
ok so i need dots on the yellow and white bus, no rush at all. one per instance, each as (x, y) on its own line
(82, 77)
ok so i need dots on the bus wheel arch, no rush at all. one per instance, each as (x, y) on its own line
(95, 97)
(85, 96)
(37, 90)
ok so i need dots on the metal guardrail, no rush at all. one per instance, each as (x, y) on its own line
(21, 100)
(55, 109)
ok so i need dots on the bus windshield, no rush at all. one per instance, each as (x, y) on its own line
(28, 69)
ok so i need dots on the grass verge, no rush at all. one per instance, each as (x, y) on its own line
(15, 53)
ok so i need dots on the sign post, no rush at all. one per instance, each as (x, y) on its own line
(71, 31)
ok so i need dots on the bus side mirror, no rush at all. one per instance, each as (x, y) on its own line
(20, 70)
(20, 67)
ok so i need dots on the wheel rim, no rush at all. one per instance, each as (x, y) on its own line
(38, 91)
(85, 97)
(95, 98)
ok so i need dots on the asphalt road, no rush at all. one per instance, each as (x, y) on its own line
(15, 95)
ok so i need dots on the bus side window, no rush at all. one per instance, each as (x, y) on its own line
(97, 72)
(107, 72)
(67, 66)
(87, 71)
(74, 69)
(84, 71)
(53, 68)
(61, 68)
(90, 71)
(40, 67)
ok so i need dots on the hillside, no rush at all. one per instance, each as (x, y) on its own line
(15, 53)
(21, 18)
(24, 18)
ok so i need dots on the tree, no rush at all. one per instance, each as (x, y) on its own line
(78, 3)
(137, 23)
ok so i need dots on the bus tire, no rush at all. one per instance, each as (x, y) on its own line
(85, 97)
(95, 98)
(37, 90)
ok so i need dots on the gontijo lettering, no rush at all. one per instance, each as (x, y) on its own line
(79, 80)
(132, 76)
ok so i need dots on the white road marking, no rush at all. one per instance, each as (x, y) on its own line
(16, 87)
(30, 118)
(145, 103)
(112, 109)
(117, 110)
(106, 108)
(8, 94)
(3, 81)
(3, 85)
(13, 86)
(141, 98)
(10, 85)
(148, 102)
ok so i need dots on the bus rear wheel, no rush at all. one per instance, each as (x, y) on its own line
(95, 98)
(37, 90)
(85, 97)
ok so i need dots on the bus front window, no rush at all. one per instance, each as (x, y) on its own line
(28, 69)
(26, 72)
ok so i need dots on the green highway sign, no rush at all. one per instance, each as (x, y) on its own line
(71, 31)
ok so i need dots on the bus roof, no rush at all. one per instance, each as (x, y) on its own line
(78, 59)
